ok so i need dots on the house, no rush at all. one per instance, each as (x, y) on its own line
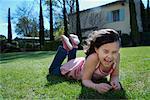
(114, 15)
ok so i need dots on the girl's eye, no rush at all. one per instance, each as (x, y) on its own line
(106, 51)
(115, 52)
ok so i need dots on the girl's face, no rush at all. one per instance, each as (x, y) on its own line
(108, 53)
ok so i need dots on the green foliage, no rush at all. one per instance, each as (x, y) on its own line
(9, 47)
(23, 76)
(145, 38)
(26, 26)
(135, 35)
(26, 19)
(29, 46)
(2, 37)
(51, 45)
(125, 40)
(58, 11)
(3, 44)
(58, 33)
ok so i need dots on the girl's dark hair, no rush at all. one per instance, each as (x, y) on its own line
(98, 38)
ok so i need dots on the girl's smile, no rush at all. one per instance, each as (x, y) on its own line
(107, 61)
(108, 53)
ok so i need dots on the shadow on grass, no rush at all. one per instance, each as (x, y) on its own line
(53, 79)
(87, 93)
(26, 55)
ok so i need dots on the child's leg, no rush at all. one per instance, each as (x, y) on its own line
(72, 54)
(75, 41)
(58, 59)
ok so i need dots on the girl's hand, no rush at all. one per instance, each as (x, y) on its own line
(115, 85)
(103, 87)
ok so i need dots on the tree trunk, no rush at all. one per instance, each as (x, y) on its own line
(148, 7)
(9, 27)
(72, 6)
(65, 19)
(41, 25)
(78, 27)
(148, 17)
(142, 15)
(51, 22)
(135, 35)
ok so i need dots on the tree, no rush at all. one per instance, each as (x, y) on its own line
(51, 21)
(65, 19)
(54, 15)
(9, 27)
(143, 14)
(27, 27)
(135, 35)
(2, 37)
(58, 12)
(78, 26)
(25, 20)
(148, 17)
(96, 19)
(148, 9)
(72, 6)
(41, 26)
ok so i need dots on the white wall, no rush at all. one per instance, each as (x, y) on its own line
(123, 26)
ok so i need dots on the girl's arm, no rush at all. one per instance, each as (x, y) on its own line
(115, 74)
(88, 71)
(89, 68)
(114, 77)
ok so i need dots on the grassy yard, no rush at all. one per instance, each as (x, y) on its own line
(23, 76)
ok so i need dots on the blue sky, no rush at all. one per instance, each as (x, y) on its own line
(12, 4)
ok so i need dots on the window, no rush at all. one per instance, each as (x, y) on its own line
(115, 15)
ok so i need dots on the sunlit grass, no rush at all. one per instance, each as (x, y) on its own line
(23, 76)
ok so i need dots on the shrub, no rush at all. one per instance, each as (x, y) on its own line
(145, 38)
(29, 46)
(3, 45)
(51, 45)
(125, 40)
(8, 47)
(2, 37)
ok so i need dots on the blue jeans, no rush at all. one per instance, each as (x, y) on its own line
(61, 54)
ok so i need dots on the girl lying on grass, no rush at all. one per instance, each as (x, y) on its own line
(102, 59)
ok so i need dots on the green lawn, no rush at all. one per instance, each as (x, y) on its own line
(23, 76)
